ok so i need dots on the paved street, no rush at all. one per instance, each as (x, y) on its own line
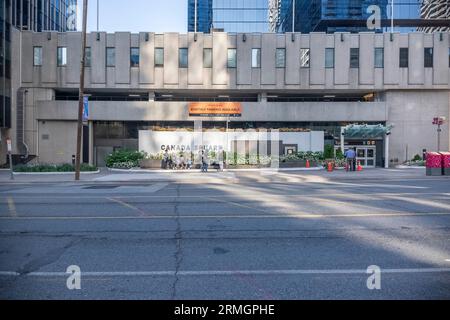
(232, 235)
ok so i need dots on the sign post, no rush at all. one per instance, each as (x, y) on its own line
(439, 121)
(9, 148)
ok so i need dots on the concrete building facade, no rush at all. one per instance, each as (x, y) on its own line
(291, 82)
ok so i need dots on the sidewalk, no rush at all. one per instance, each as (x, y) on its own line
(107, 176)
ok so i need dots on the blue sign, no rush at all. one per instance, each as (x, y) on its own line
(85, 109)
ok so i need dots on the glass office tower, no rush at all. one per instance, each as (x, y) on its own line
(351, 15)
(230, 15)
(35, 15)
(204, 15)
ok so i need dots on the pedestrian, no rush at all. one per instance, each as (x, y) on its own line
(350, 156)
(165, 159)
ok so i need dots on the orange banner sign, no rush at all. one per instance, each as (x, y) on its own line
(215, 109)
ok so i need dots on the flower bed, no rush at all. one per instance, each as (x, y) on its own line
(42, 168)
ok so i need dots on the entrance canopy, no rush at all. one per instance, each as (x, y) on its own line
(366, 131)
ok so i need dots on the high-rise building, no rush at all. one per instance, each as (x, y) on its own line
(204, 15)
(351, 15)
(32, 15)
(437, 9)
(229, 15)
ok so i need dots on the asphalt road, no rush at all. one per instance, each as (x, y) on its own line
(240, 236)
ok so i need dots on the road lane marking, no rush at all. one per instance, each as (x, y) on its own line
(271, 216)
(237, 204)
(225, 272)
(12, 207)
(127, 205)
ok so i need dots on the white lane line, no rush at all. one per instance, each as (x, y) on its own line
(255, 216)
(241, 194)
(224, 272)
(12, 207)
(127, 205)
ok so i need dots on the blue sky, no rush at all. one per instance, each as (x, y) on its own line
(137, 15)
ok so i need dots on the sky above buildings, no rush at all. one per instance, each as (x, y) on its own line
(136, 15)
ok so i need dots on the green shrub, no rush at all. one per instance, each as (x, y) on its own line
(53, 168)
(417, 158)
(123, 156)
(328, 152)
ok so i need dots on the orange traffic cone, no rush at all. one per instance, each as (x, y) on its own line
(308, 165)
(330, 167)
(360, 168)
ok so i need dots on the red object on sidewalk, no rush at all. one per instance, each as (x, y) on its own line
(445, 159)
(330, 167)
(360, 168)
(308, 165)
(434, 160)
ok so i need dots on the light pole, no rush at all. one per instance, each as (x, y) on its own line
(81, 93)
(98, 15)
(195, 16)
(439, 121)
(293, 16)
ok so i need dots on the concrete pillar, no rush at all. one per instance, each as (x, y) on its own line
(342, 140)
(91, 143)
(386, 152)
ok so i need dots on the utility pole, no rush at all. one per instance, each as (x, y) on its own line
(81, 93)
(293, 16)
(392, 16)
(98, 16)
(195, 16)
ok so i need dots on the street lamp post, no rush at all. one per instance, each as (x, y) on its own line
(439, 121)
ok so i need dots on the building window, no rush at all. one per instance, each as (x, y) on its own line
(404, 57)
(110, 57)
(304, 58)
(88, 57)
(428, 57)
(256, 58)
(183, 58)
(379, 58)
(159, 57)
(37, 60)
(207, 58)
(134, 57)
(280, 58)
(231, 58)
(354, 58)
(62, 56)
(329, 57)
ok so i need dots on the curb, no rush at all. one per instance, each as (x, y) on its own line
(210, 170)
(54, 173)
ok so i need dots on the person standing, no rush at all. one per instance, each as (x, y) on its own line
(350, 156)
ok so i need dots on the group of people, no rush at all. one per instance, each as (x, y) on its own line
(350, 156)
(176, 162)
(173, 161)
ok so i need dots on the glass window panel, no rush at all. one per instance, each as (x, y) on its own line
(379, 57)
(134, 57)
(428, 57)
(281, 58)
(354, 58)
(62, 56)
(110, 57)
(183, 58)
(88, 58)
(159, 57)
(329, 57)
(304, 58)
(37, 56)
(231, 58)
(207, 58)
(256, 58)
(404, 57)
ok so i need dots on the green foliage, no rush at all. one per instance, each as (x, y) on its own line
(417, 158)
(53, 168)
(125, 158)
(339, 154)
(328, 151)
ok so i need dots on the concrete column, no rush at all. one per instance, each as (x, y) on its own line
(342, 140)
(91, 143)
(386, 152)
